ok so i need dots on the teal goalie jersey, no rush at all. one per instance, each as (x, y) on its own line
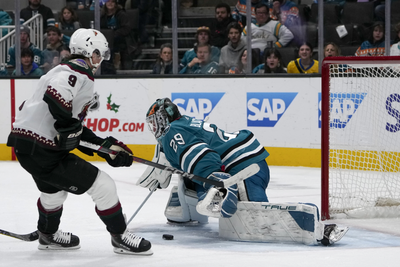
(201, 148)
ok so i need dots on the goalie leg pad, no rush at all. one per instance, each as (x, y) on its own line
(273, 222)
(181, 205)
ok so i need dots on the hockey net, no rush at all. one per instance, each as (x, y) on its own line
(360, 125)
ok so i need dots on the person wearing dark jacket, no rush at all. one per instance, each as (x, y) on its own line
(114, 17)
(34, 8)
(218, 27)
(164, 61)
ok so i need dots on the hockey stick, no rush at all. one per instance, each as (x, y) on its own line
(240, 176)
(144, 201)
(27, 237)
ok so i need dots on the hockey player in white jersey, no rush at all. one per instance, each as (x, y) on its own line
(244, 210)
(48, 126)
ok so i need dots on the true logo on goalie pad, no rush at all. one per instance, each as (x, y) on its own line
(278, 207)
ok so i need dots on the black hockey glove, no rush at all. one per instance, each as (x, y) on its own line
(68, 137)
(122, 159)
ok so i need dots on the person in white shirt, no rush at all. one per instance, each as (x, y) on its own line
(395, 48)
(267, 32)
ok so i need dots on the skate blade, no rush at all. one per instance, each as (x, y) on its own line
(188, 223)
(338, 234)
(127, 252)
(56, 247)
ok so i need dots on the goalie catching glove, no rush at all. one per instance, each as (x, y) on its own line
(122, 159)
(218, 203)
(153, 176)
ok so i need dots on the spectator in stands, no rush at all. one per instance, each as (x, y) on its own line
(34, 8)
(331, 50)
(272, 63)
(164, 61)
(25, 43)
(305, 63)
(287, 13)
(202, 64)
(239, 12)
(241, 64)
(114, 17)
(395, 48)
(267, 33)
(231, 53)
(202, 37)
(146, 9)
(64, 53)
(218, 28)
(68, 19)
(5, 20)
(379, 11)
(3, 71)
(375, 45)
(51, 55)
(28, 67)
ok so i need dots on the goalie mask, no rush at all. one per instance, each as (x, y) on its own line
(160, 115)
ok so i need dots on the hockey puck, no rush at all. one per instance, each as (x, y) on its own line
(167, 237)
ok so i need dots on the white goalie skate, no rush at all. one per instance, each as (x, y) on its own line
(333, 234)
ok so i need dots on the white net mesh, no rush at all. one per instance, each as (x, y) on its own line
(364, 139)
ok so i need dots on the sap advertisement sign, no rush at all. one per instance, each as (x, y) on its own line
(197, 105)
(343, 108)
(266, 109)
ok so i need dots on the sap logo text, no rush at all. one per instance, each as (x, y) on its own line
(343, 107)
(279, 207)
(265, 109)
(393, 99)
(196, 105)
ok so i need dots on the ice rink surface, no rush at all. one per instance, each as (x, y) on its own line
(369, 243)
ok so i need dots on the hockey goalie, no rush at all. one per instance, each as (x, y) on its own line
(243, 209)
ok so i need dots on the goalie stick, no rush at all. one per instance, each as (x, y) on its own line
(144, 201)
(27, 237)
(240, 176)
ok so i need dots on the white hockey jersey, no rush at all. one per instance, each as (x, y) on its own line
(67, 90)
(273, 31)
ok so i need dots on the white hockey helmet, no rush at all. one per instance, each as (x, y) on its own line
(86, 42)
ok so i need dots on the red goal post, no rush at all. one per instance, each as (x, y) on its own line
(360, 137)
